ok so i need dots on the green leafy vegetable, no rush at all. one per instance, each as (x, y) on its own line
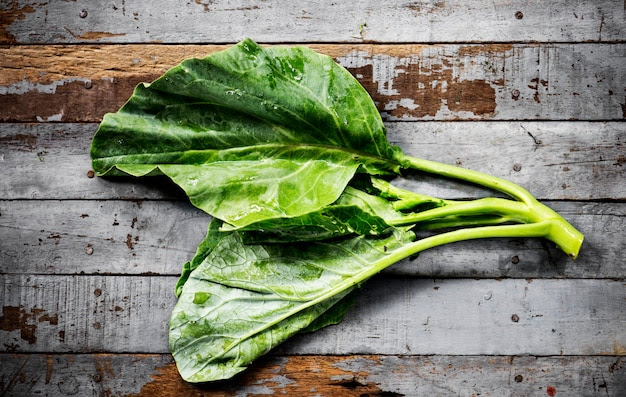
(288, 153)
(243, 300)
(241, 130)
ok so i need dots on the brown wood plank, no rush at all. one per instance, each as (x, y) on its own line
(157, 237)
(373, 375)
(79, 21)
(125, 314)
(408, 82)
(555, 161)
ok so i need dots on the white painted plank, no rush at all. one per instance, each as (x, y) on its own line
(584, 81)
(392, 316)
(148, 375)
(157, 237)
(557, 160)
(129, 21)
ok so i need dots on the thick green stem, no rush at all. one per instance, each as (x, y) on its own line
(560, 231)
(539, 229)
(467, 175)
(463, 221)
(513, 210)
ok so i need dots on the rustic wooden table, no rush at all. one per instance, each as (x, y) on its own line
(529, 91)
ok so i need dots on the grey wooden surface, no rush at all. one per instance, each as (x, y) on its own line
(530, 91)
(394, 316)
(440, 375)
(278, 21)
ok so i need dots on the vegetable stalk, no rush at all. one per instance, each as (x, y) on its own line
(526, 209)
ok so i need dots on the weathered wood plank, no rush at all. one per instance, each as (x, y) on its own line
(54, 162)
(554, 160)
(150, 375)
(111, 237)
(157, 237)
(392, 316)
(26, 21)
(497, 60)
(562, 161)
(408, 82)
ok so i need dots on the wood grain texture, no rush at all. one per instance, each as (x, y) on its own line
(124, 314)
(555, 161)
(88, 265)
(407, 82)
(27, 21)
(148, 375)
(157, 237)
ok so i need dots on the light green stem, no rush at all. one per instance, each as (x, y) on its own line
(463, 221)
(467, 175)
(538, 229)
(560, 231)
(513, 210)
(405, 199)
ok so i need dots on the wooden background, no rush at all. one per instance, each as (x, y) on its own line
(530, 91)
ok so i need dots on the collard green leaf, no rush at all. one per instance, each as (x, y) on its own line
(243, 300)
(287, 126)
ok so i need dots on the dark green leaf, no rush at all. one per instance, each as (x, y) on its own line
(249, 133)
(243, 300)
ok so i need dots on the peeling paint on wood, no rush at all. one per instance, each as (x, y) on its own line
(69, 101)
(412, 90)
(10, 12)
(442, 82)
(320, 376)
(15, 318)
(149, 375)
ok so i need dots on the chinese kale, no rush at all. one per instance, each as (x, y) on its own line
(288, 153)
